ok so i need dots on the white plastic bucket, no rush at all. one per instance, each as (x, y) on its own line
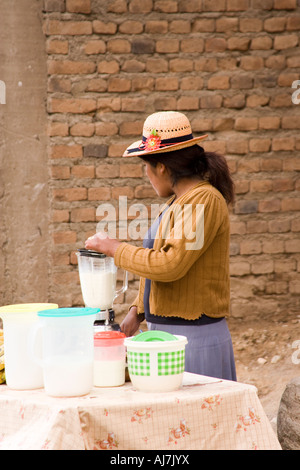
(156, 366)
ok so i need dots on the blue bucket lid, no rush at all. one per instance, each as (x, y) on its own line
(68, 312)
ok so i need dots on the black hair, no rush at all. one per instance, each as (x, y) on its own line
(194, 161)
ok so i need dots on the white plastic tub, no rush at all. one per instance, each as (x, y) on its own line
(156, 365)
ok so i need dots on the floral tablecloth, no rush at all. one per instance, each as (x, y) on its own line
(206, 413)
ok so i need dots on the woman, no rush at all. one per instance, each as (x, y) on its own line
(184, 262)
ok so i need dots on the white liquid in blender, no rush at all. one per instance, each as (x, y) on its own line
(98, 289)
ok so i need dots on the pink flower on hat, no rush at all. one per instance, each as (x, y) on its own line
(153, 141)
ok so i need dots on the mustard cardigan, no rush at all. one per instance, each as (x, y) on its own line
(189, 274)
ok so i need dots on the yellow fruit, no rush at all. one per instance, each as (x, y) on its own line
(1, 350)
(2, 377)
(2, 363)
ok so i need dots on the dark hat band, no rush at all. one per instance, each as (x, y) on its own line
(163, 143)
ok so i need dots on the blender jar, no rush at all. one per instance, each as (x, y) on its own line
(98, 278)
(109, 359)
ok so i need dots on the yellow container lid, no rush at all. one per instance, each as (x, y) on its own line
(23, 311)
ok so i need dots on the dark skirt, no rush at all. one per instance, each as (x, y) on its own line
(209, 350)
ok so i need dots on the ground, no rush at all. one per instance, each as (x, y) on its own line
(266, 356)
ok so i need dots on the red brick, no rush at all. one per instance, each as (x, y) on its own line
(252, 63)
(117, 6)
(293, 23)
(167, 46)
(73, 105)
(271, 205)
(285, 4)
(85, 129)
(237, 146)
(95, 47)
(204, 25)
(67, 28)
(192, 45)
(211, 101)
(122, 191)
(271, 164)
(119, 85)
(261, 43)
(180, 27)
(131, 27)
(246, 124)
(83, 171)
(237, 5)
(214, 5)
(142, 192)
(166, 83)
(181, 65)
(99, 194)
(283, 184)
(118, 46)
(136, 6)
(238, 43)
(269, 122)
(104, 27)
(57, 46)
(239, 268)
(285, 42)
(133, 104)
(250, 25)
(60, 172)
(60, 215)
(290, 204)
(283, 143)
(66, 151)
(262, 267)
(215, 45)
(108, 66)
(226, 24)
(70, 194)
(108, 171)
(279, 225)
(250, 247)
(259, 145)
(106, 128)
(156, 26)
(144, 84)
(166, 6)
(78, 6)
(275, 24)
(218, 82)
(187, 103)
(83, 214)
(70, 67)
(131, 170)
(261, 186)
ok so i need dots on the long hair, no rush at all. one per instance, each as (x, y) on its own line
(194, 161)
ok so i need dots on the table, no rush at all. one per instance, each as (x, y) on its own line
(206, 413)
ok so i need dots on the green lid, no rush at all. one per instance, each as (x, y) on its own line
(154, 335)
(68, 312)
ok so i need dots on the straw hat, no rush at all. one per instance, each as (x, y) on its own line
(164, 132)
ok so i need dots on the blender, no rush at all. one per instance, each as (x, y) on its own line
(98, 280)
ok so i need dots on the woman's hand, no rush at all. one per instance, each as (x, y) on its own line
(131, 322)
(102, 243)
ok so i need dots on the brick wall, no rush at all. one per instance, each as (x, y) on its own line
(229, 65)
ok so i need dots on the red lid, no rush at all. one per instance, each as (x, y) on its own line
(109, 338)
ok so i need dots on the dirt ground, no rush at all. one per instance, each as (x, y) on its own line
(266, 356)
